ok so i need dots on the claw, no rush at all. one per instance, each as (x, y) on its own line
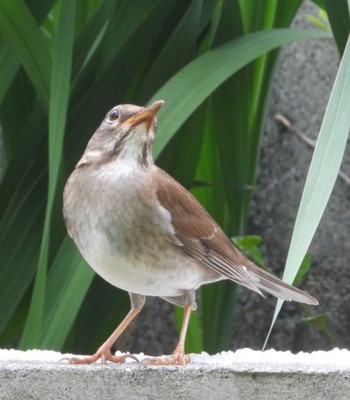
(103, 355)
(175, 358)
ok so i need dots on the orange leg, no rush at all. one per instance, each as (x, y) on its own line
(178, 356)
(104, 352)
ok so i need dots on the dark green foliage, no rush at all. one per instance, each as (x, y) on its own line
(63, 64)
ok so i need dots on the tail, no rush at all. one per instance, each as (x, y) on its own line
(266, 282)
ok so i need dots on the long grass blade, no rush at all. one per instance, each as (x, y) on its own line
(68, 282)
(21, 29)
(8, 66)
(339, 18)
(214, 68)
(322, 174)
(182, 42)
(60, 88)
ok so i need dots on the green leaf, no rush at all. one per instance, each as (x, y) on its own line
(182, 42)
(21, 29)
(319, 3)
(318, 321)
(91, 36)
(304, 268)
(247, 242)
(323, 172)
(8, 67)
(216, 320)
(318, 22)
(186, 147)
(339, 19)
(20, 200)
(214, 68)
(60, 88)
(250, 246)
(68, 281)
(218, 303)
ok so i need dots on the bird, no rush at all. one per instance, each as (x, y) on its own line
(143, 232)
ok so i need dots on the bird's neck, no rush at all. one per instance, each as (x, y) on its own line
(140, 155)
(129, 157)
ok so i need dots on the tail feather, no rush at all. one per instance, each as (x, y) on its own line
(275, 286)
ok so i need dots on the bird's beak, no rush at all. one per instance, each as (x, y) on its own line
(145, 116)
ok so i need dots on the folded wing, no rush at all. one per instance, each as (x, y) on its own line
(199, 236)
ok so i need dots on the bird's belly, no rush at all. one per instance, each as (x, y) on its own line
(156, 270)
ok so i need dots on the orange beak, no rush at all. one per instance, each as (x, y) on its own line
(146, 116)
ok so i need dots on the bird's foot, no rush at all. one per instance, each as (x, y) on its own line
(101, 354)
(178, 357)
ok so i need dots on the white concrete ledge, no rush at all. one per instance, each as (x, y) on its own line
(245, 374)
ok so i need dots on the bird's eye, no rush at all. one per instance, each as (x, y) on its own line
(114, 115)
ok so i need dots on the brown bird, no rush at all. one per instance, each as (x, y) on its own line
(143, 232)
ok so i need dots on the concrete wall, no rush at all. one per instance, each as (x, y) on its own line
(241, 375)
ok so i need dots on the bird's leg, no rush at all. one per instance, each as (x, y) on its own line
(104, 352)
(178, 356)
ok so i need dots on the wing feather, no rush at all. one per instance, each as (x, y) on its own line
(199, 236)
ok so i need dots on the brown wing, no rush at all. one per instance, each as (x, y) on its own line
(200, 237)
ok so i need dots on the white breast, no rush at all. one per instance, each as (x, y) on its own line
(164, 272)
(125, 238)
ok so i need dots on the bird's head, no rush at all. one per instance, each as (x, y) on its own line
(127, 133)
